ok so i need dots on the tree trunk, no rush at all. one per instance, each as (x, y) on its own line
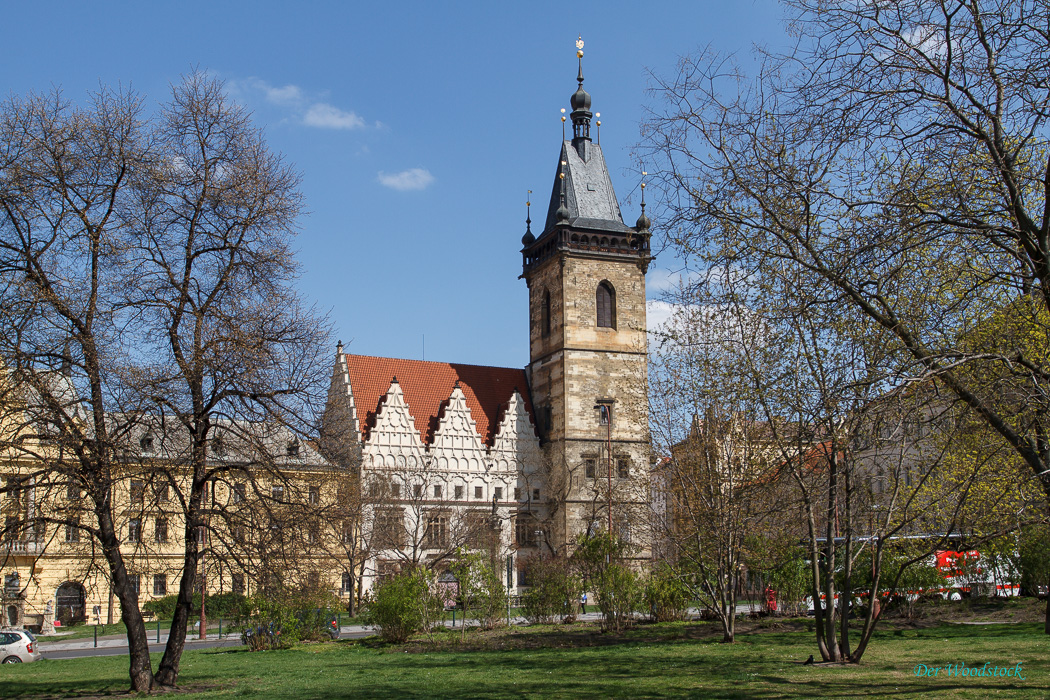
(168, 671)
(141, 669)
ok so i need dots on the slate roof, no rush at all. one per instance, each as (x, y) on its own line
(589, 194)
(427, 387)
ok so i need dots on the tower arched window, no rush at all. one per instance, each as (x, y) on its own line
(605, 302)
(545, 314)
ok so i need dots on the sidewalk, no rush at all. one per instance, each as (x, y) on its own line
(111, 641)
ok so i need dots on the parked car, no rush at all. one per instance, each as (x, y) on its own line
(18, 646)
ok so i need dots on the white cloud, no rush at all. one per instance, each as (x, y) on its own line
(326, 116)
(658, 314)
(305, 110)
(289, 94)
(411, 179)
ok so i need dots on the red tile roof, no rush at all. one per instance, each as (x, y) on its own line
(427, 387)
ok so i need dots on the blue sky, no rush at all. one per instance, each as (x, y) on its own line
(418, 128)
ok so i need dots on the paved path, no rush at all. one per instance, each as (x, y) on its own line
(116, 645)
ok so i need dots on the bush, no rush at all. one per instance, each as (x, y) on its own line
(665, 595)
(282, 617)
(553, 590)
(481, 593)
(404, 604)
(227, 605)
(601, 559)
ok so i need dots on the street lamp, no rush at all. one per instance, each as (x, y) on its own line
(606, 417)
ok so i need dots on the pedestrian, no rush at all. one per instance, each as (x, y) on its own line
(583, 602)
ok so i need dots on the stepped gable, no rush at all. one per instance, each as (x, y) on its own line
(427, 386)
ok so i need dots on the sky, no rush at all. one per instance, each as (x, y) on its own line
(418, 128)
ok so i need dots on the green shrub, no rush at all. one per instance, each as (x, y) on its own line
(601, 559)
(553, 590)
(481, 592)
(666, 595)
(226, 605)
(404, 604)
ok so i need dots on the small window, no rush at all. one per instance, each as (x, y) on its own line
(238, 583)
(146, 443)
(499, 493)
(478, 492)
(73, 531)
(604, 413)
(545, 314)
(459, 493)
(590, 466)
(160, 584)
(161, 531)
(277, 492)
(135, 583)
(292, 449)
(162, 493)
(135, 530)
(417, 490)
(314, 495)
(239, 492)
(535, 494)
(395, 489)
(218, 447)
(517, 493)
(437, 490)
(605, 301)
(138, 491)
(623, 468)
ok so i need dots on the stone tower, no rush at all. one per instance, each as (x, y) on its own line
(587, 363)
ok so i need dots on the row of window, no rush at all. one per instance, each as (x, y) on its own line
(217, 447)
(437, 492)
(598, 468)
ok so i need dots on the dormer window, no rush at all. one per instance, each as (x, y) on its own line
(146, 444)
(292, 449)
(218, 447)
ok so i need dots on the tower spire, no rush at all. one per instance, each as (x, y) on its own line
(581, 109)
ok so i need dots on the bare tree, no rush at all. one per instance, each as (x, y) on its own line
(147, 296)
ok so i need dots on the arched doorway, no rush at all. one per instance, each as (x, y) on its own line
(70, 603)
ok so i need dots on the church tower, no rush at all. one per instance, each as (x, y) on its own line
(587, 363)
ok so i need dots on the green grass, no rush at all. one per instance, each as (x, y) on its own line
(656, 661)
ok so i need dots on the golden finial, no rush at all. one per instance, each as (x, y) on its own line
(579, 47)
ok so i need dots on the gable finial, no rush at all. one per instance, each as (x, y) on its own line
(528, 239)
(643, 223)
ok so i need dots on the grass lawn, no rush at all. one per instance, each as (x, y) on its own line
(658, 661)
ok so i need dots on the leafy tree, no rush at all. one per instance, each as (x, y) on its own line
(896, 158)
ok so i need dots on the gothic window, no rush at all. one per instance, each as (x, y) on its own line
(590, 466)
(605, 300)
(545, 314)
(623, 468)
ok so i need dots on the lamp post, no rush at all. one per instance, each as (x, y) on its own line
(606, 416)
